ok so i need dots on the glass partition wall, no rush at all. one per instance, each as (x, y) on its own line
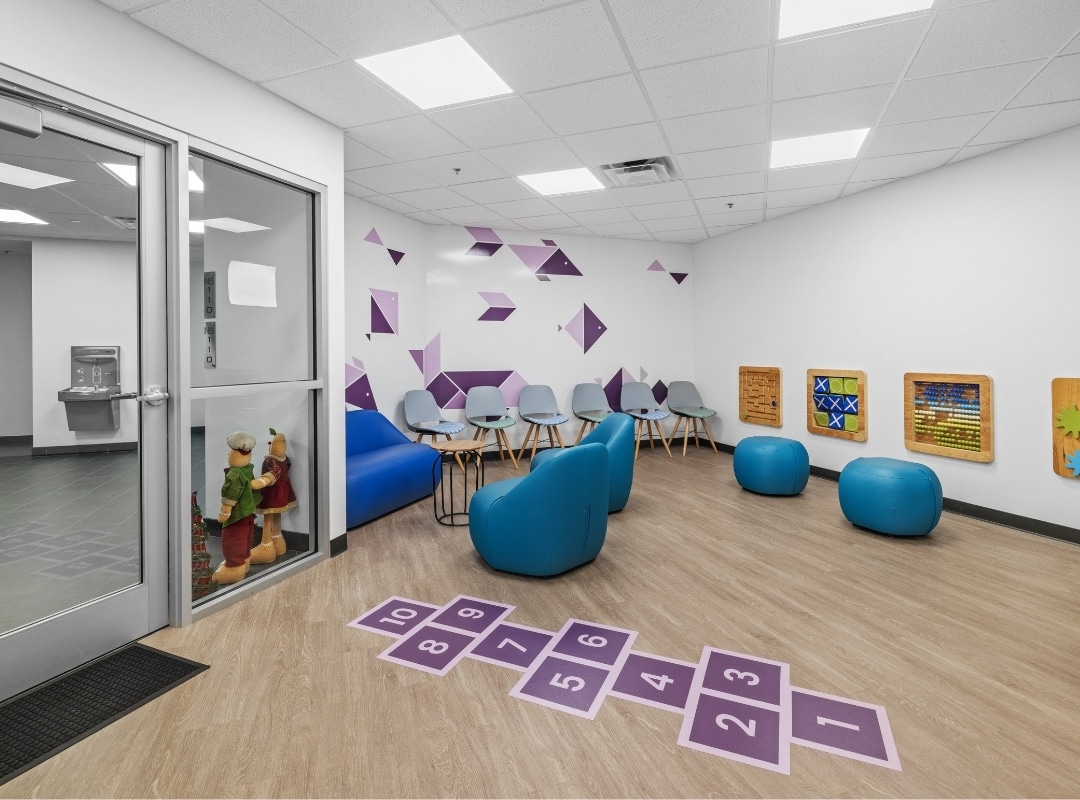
(253, 375)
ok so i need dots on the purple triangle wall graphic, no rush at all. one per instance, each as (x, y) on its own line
(484, 234)
(418, 357)
(679, 276)
(558, 264)
(379, 322)
(433, 358)
(373, 237)
(358, 394)
(368, 335)
(397, 255)
(656, 266)
(352, 373)
(593, 328)
(483, 249)
(533, 256)
(659, 391)
(613, 388)
(548, 242)
(576, 328)
(386, 304)
(496, 314)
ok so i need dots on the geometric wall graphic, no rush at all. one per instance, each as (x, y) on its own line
(374, 238)
(499, 307)
(1065, 407)
(836, 403)
(358, 387)
(585, 328)
(734, 705)
(449, 388)
(613, 388)
(760, 396)
(384, 311)
(949, 415)
(656, 266)
(543, 260)
(487, 242)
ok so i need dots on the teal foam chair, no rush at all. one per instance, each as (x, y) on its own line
(547, 522)
(616, 432)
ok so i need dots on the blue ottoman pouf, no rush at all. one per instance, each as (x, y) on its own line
(889, 495)
(771, 465)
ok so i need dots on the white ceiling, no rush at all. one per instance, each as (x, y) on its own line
(601, 81)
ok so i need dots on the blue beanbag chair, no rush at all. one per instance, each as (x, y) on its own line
(771, 465)
(889, 495)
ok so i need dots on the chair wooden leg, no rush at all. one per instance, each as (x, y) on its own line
(663, 441)
(678, 421)
(559, 436)
(708, 433)
(686, 434)
(500, 432)
(637, 438)
(536, 441)
(581, 432)
(652, 440)
(525, 443)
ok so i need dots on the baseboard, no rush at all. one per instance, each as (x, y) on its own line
(339, 545)
(82, 449)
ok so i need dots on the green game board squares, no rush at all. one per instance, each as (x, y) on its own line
(836, 385)
(821, 419)
(851, 423)
(851, 386)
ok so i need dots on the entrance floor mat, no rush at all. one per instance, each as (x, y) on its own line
(40, 722)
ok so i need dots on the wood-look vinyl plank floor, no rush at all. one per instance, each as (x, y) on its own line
(967, 637)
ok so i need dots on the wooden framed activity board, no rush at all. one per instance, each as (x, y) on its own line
(836, 403)
(949, 415)
(760, 396)
(1066, 409)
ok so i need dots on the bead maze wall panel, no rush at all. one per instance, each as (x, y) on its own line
(760, 396)
(836, 403)
(949, 415)
(1066, 410)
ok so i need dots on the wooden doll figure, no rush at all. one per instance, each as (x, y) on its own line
(276, 499)
(239, 496)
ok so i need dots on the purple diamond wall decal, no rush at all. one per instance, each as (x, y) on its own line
(585, 328)
(487, 242)
(384, 311)
(500, 307)
(358, 392)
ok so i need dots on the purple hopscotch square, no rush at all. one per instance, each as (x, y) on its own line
(654, 681)
(739, 731)
(430, 649)
(599, 643)
(396, 616)
(566, 685)
(471, 614)
(513, 646)
(745, 676)
(844, 727)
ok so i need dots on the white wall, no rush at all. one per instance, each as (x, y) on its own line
(969, 269)
(107, 56)
(16, 359)
(84, 293)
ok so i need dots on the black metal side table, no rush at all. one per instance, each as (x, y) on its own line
(456, 455)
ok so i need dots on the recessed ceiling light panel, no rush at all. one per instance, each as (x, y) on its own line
(28, 178)
(194, 182)
(838, 146)
(21, 217)
(567, 181)
(233, 225)
(806, 16)
(435, 74)
(127, 173)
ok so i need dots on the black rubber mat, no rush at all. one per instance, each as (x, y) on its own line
(39, 723)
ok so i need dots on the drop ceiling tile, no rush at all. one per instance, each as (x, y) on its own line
(740, 204)
(773, 213)
(53, 199)
(651, 193)
(471, 215)
(49, 146)
(470, 13)
(496, 191)
(606, 103)
(100, 198)
(979, 149)
(341, 94)
(870, 169)
(711, 84)
(812, 175)
(733, 218)
(568, 44)
(573, 230)
(678, 30)
(358, 156)
(722, 231)
(407, 139)
(547, 155)
(585, 201)
(545, 223)
(640, 236)
(862, 186)
(432, 199)
(70, 226)
(390, 203)
(124, 5)
(355, 30)
(618, 144)
(802, 197)
(720, 129)
(1060, 80)
(76, 170)
(687, 236)
(426, 218)
(848, 59)
(1026, 123)
(746, 183)
(729, 161)
(493, 123)
(958, 93)
(514, 209)
(1072, 48)
(242, 35)
(1002, 32)
(473, 168)
(919, 137)
(356, 190)
(389, 178)
(618, 229)
(949, 4)
(680, 208)
(603, 216)
(840, 111)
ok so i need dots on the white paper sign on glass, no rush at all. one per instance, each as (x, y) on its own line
(252, 284)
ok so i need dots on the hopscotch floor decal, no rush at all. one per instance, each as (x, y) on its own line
(734, 705)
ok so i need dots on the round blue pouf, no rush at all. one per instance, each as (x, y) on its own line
(771, 465)
(889, 495)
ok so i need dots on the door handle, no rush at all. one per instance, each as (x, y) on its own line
(155, 396)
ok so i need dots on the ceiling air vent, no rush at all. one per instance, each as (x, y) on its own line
(127, 223)
(640, 172)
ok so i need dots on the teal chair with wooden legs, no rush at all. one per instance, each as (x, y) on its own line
(485, 409)
(590, 405)
(684, 401)
(637, 400)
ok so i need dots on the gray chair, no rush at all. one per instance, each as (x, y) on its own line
(485, 409)
(590, 405)
(684, 401)
(637, 400)
(424, 417)
(538, 407)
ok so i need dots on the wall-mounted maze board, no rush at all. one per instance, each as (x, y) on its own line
(836, 403)
(949, 415)
(1066, 410)
(760, 400)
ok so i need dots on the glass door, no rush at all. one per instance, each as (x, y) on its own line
(84, 475)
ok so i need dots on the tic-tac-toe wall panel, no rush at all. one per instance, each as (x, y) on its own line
(836, 403)
(760, 396)
(949, 415)
(1065, 405)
